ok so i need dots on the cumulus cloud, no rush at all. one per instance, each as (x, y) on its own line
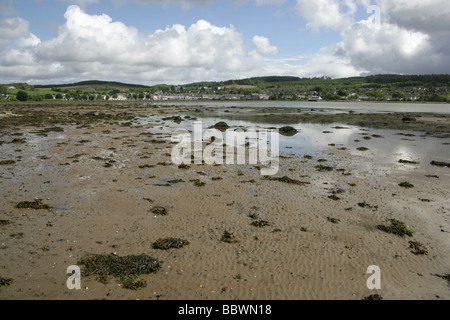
(412, 36)
(6, 7)
(423, 15)
(94, 46)
(319, 14)
(263, 45)
(272, 2)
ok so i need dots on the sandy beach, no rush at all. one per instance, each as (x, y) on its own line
(105, 177)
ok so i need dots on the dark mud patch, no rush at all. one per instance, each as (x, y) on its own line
(169, 243)
(396, 227)
(36, 205)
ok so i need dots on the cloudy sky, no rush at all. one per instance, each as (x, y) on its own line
(177, 42)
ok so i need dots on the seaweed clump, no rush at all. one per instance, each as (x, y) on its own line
(333, 220)
(286, 179)
(440, 163)
(5, 282)
(228, 237)
(36, 205)
(122, 267)
(407, 161)
(260, 223)
(417, 248)
(288, 131)
(159, 211)
(221, 126)
(169, 243)
(397, 227)
(133, 284)
(6, 162)
(322, 168)
(373, 297)
(444, 276)
(406, 184)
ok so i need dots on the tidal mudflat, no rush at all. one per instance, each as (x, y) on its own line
(94, 186)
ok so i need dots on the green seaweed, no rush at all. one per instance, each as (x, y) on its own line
(397, 227)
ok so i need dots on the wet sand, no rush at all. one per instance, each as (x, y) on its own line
(102, 179)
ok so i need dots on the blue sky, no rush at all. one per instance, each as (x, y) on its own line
(154, 41)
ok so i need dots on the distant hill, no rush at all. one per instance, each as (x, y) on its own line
(93, 83)
(267, 82)
(373, 80)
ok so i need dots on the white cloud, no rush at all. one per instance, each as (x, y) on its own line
(13, 28)
(185, 4)
(423, 15)
(95, 47)
(413, 35)
(390, 49)
(6, 7)
(263, 45)
(415, 40)
(335, 14)
(271, 2)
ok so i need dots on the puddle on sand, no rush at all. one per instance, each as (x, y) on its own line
(380, 145)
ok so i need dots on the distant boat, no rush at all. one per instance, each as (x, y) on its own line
(314, 98)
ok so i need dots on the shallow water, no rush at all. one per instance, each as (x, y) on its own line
(384, 146)
(332, 107)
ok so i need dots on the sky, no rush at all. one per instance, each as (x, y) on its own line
(177, 42)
